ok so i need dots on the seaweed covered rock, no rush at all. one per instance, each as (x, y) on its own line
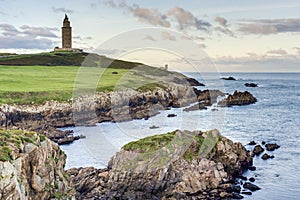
(31, 167)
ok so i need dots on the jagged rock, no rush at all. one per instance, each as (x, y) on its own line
(171, 115)
(266, 156)
(251, 85)
(272, 147)
(244, 178)
(251, 179)
(68, 140)
(198, 106)
(33, 168)
(251, 186)
(236, 188)
(230, 78)
(258, 150)
(252, 143)
(153, 127)
(252, 168)
(238, 99)
(194, 82)
(89, 182)
(177, 165)
(246, 192)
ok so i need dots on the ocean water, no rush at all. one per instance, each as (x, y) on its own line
(274, 118)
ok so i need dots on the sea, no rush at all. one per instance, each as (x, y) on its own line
(274, 118)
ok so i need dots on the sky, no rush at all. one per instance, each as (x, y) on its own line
(242, 36)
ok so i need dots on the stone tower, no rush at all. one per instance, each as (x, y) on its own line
(66, 34)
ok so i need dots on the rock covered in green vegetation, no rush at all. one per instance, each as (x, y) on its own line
(176, 165)
(31, 167)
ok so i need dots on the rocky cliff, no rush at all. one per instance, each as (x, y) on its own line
(177, 165)
(89, 109)
(31, 167)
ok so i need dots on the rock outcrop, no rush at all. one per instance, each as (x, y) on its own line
(238, 99)
(205, 98)
(230, 78)
(32, 167)
(177, 165)
(251, 85)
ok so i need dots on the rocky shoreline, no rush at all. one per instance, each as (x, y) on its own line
(114, 106)
(190, 165)
(176, 165)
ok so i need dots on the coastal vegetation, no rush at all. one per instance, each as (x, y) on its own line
(13, 140)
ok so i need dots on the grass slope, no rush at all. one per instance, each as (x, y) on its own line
(35, 78)
(63, 59)
(27, 84)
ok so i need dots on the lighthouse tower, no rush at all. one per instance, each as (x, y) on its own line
(66, 34)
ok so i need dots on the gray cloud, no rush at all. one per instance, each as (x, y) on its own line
(25, 42)
(151, 16)
(259, 63)
(183, 19)
(168, 36)
(223, 30)
(222, 21)
(8, 30)
(269, 26)
(186, 19)
(277, 52)
(62, 10)
(192, 37)
(27, 37)
(38, 31)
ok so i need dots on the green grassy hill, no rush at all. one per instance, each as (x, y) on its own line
(63, 59)
(36, 78)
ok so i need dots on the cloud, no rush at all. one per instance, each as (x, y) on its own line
(192, 37)
(259, 63)
(25, 42)
(168, 36)
(182, 18)
(186, 19)
(270, 26)
(222, 21)
(8, 30)
(273, 55)
(38, 31)
(151, 16)
(62, 10)
(297, 49)
(27, 37)
(223, 30)
(148, 15)
(257, 29)
(277, 52)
